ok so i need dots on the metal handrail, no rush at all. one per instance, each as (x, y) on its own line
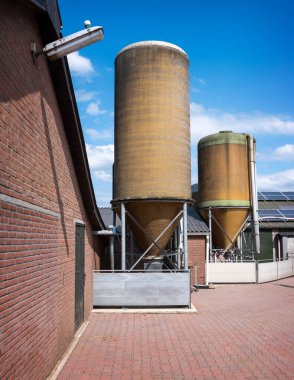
(140, 271)
(253, 261)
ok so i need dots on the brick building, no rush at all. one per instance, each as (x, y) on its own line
(48, 207)
(197, 232)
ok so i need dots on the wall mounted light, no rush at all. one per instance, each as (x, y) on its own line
(66, 45)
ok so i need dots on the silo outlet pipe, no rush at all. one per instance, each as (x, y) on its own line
(255, 222)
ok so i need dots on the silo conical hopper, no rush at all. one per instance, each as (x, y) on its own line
(152, 138)
(224, 184)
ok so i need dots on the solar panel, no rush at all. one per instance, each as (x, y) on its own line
(260, 197)
(269, 214)
(274, 196)
(289, 195)
(276, 214)
(288, 213)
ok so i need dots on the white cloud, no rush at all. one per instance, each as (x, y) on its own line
(100, 160)
(103, 175)
(278, 181)
(94, 109)
(98, 135)
(285, 152)
(84, 95)
(79, 65)
(100, 156)
(205, 121)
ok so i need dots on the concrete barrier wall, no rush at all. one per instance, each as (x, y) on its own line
(250, 272)
(275, 270)
(285, 268)
(267, 272)
(146, 289)
(232, 272)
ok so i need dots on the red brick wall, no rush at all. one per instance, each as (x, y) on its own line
(37, 257)
(196, 258)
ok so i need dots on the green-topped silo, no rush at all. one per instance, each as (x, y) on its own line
(224, 184)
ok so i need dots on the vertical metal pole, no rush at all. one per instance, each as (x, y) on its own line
(132, 249)
(181, 242)
(112, 241)
(207, 260)
(274, 246)
(177, 246)
(113, 218)
(112, 252)
(252, 237)
(210, 233)
(185, 232)
(123, 237)
(241, 245)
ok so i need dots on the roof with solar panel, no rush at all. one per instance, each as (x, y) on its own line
(276, 196)
(276, 209)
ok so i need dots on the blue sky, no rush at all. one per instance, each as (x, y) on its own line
(241, 74)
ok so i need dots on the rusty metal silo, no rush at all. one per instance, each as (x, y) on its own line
(224, 184)
(152, 138)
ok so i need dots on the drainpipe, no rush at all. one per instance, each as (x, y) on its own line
(255, 222)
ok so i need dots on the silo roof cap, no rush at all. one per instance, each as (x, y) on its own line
(153, 43)
(223, 137)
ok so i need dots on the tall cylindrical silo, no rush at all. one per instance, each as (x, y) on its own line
(224, 184)
(152, 137)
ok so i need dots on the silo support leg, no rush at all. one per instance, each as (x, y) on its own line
(222, 229)
(185, 231)
(154, 242)
(123, 237)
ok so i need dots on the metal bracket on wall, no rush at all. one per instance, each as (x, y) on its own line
(35, 54)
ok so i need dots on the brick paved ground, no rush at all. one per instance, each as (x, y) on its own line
(239, 332)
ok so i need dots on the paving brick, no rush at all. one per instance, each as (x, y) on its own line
(239, 332)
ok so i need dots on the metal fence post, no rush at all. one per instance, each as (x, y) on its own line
(123, 237)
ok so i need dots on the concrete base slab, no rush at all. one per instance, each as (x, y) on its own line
(146, 310)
